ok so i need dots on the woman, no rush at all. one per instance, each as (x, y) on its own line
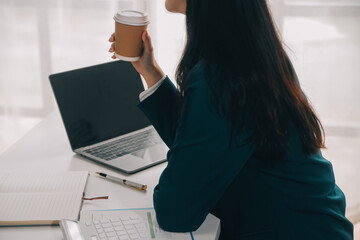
(244, 141)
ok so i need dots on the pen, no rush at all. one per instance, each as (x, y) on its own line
(138, 186)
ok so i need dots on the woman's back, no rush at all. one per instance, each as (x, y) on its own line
(295, 199)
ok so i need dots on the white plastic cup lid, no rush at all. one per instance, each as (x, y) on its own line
(130, 17)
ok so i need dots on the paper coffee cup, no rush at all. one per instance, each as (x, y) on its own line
(129, 26)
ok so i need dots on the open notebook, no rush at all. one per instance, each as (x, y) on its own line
(40, 198)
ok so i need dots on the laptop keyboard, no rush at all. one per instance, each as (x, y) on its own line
(126, 145)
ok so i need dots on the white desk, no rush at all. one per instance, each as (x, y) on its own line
(46, 148)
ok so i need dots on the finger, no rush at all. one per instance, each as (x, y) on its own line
(112, 38)
(143, 36)
(112, 48)
(113, 56)
(148, 47)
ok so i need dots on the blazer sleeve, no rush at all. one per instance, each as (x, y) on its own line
(160, 108)
(201, 165)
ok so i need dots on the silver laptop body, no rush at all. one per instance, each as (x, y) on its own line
(103, 123)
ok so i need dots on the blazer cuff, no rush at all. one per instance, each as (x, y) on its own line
(144, 94)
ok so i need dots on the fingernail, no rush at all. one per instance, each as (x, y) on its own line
(111, 49)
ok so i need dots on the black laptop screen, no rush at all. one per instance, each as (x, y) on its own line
(99, 102)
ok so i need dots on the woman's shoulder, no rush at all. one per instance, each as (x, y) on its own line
(199, 70)
(202, 70)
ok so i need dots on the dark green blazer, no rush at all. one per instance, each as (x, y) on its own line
(294, 200)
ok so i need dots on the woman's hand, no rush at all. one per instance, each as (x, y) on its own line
(146, 65)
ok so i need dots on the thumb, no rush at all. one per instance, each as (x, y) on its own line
(148, 47)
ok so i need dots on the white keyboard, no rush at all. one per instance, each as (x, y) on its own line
(127, 228)
(118, 225)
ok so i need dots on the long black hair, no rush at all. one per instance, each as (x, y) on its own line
(255, 80)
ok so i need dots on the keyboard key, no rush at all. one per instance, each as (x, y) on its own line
(144, 235)
(131, 231)
(116, 219)
(113, 238)
(135, 221)
(111, 234)
(108, 230)
(104, 221)
(117, 224)
(124, 238)
(119, 233)
(126, 222)
(140, 225)
(128, 227)
(119, 228)
(106, 225)
(134, 236)
(141, 230)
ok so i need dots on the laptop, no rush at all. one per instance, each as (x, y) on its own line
(98, 106)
